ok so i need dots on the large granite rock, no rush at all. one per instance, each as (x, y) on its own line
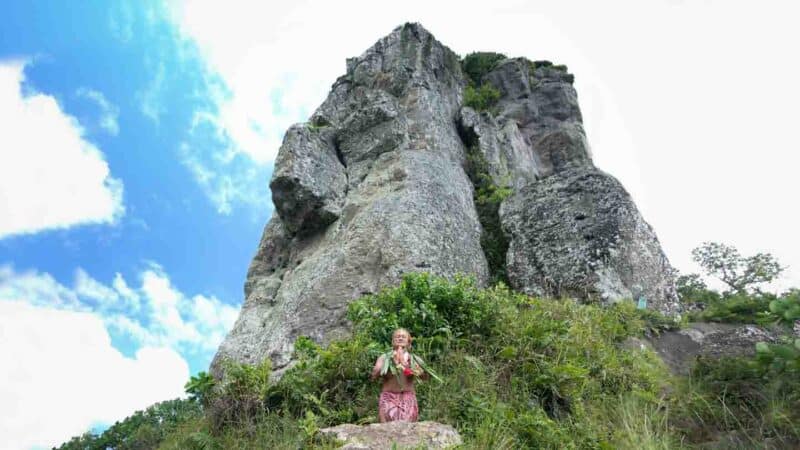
(374, 186)
(579, 234)
(400, 435)
(573, 229)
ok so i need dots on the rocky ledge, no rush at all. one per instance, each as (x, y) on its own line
(403, 435)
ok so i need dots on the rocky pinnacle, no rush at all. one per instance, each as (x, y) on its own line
(374, 185)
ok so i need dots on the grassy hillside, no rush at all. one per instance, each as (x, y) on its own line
(518, 372)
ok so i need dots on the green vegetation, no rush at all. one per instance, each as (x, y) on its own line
(477, 64)
(517, 371)
(143, 430)
(482, 98)
(488, 196)
(740, 274)
(480, 95)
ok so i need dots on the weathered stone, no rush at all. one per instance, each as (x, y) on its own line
(309, 182)
(374, 186)
(403, 435)
(407, 207)
(679, 349)
(579, 234)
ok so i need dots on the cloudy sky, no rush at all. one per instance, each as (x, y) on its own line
(137, 140)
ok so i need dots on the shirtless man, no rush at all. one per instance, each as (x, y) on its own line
(398, 400)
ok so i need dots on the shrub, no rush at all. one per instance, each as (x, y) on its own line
(482, 98)
(239, 399)
(740, 308)
(200, 387)
(787, 308)
(478, 64)
(487, 197)
(692, 290)
(517, 372)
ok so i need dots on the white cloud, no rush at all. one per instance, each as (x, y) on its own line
(50, 176)
(195, 324)
(121, 286)
(88, 287)
(60, 372)
(61, 375)
(109, 113)
(154, 314)
(151, 97)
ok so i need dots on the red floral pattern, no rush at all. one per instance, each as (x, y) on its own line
(394, 406)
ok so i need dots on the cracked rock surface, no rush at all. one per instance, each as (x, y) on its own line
(374, 186)
(400, 435)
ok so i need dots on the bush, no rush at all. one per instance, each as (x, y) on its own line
(786, 309)
(487, 197)
(692, 290)
(482, 98)
(742, 395)
(200, 387)
(239, 399)
(478, 64)
(740, 308)
(538, 370)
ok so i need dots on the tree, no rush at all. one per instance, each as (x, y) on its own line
(693, 290)
(739, 273)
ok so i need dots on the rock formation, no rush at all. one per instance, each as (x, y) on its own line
(679, 349)
(400, 435)
(374, 185)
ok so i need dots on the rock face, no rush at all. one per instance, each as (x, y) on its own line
(374, 185)
(578, 234)
(405, 435)
(679, 349)
(573, 229)
(371, 188)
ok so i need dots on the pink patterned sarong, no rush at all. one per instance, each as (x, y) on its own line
(398, 406)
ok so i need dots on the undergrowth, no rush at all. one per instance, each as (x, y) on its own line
(518, 372)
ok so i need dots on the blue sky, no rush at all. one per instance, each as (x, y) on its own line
(137, 140)
(166, 227)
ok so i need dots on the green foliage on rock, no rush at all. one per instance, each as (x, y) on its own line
(477, 64)
(488, 196)
(740, 308)
(787, 307)
(482, 98)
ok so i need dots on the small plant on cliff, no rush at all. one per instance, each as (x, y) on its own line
(487, 197)
(478, 64)
(482, 98)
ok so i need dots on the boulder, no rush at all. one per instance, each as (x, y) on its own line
(578, 234)
(679, 349)
(403, 435)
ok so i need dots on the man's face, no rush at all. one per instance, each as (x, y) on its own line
(399, 339)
